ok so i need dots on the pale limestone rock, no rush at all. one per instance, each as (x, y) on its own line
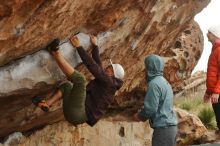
(38, 67)
(105, 133)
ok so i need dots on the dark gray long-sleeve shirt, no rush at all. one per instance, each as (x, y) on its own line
(101, 90)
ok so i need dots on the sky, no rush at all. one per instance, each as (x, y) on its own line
(208, 17)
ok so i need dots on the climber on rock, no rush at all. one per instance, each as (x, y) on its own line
(83, 103)
(213, 73)
(158, 104)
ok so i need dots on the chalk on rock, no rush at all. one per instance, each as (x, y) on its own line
(13, 138)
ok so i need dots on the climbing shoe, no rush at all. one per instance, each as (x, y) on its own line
(41, 103)
(53, 46)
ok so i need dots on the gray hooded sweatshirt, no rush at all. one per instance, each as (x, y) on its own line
(158, 102)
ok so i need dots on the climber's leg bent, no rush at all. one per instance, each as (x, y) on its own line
(44, 104)
(55, 97)
(74, 96)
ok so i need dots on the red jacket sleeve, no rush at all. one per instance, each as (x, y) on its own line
(217, 86)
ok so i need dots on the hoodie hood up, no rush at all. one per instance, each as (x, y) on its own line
(154, 66)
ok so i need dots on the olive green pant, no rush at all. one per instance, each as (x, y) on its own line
(74, 96)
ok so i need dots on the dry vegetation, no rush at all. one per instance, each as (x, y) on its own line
(192, 101)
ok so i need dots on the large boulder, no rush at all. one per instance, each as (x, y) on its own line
(127, 31)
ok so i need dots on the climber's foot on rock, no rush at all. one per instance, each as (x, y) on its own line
(41, 103)
(53, 46)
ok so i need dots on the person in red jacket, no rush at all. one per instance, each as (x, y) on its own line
(213, 72)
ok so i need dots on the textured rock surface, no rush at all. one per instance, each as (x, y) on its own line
(183, 57)
(39, 67)
(128, 30)
(119, 131)
(194, 83)
(190, 127)
(211, 137)
(105, 133)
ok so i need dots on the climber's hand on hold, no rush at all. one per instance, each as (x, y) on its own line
(93, 40)
(75, 41)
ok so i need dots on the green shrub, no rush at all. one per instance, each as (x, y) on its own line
(192, 104)
(207, 117)
(186, 105)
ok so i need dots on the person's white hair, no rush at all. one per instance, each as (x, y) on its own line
(118, 70)
(215, 30)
